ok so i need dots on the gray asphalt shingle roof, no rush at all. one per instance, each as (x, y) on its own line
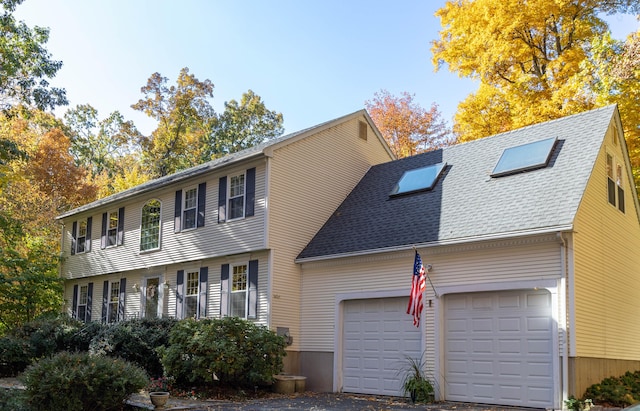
(467, 203)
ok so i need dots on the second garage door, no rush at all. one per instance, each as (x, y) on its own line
(378, 334)
(498, 348)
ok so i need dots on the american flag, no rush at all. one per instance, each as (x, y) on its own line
(418, 286)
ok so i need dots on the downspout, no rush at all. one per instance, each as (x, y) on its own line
(563, 314)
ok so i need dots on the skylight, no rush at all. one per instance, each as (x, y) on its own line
(525, 157)
(419, 179)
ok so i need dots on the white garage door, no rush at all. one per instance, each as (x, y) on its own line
(377, 335)
(498, 348)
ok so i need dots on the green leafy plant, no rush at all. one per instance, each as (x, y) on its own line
(15, 356)
(616, 391)
(578, 405)
(79, 381)
(415, 382)
(229, 351)
(135, 341)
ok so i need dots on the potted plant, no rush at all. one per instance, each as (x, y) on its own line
(415, 382)
(159, 391)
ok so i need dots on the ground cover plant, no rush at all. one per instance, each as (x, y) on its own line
(616, 391)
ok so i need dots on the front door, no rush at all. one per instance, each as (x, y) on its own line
(152, 298)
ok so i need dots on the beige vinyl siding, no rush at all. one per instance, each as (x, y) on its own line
(607, 268)
(452, 266)
(169, 274)
(309, 179)
(212, 240)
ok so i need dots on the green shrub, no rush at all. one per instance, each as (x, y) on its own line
(231, 350)
(12, 400)
(135, 341)
(79, 381)
(15, 356)
(616, 391)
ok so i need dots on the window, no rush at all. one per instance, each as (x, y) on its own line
(150, 226)
(238, 298)
(524, 157)
(190, 208)
(239, 290)
(82, 300)
(419, 179)
(236, 197)
(362, 130)
(114, 302)
(112, 228)
(191, 295)
(615, 190)
(81, 236)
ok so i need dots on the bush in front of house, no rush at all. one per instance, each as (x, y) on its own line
(135, 341)
(15, 355)
(230, 350)
(616, 391)
(79, 381)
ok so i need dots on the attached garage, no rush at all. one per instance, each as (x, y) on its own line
(498, 348)
(377, 337)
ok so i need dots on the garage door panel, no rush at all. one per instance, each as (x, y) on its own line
(498, 348)
(378, 354)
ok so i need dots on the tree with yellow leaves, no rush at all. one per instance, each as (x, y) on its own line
(526, 55)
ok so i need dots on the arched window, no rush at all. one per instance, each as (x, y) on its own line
(150, 226)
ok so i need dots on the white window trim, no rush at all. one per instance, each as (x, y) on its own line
(109, 302)
(86, 286)
(186, 286)
(184, 208)
(246, 289)
(77, 242)
(244, 195)
(159, 228)
(617, 178)
(117, 213)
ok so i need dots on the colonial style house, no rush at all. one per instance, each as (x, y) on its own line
(220, 238)
(531, 241)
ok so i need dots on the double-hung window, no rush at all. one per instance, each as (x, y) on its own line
(236, 196)
(150, 226)
(190, 208)
(81, 236)
(615, 187)
(114, 301)
(239, 290)
(112, 228)
(191, 294)
(238, 295)
(82, 300)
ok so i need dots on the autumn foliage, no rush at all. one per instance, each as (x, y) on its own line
(408, 128)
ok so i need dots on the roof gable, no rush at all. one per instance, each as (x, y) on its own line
(467, 202)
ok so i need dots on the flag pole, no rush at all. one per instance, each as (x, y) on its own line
(427, 269)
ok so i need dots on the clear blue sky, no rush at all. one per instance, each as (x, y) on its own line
(312, 60)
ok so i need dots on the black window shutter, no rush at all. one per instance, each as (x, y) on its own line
(105, 301)
(87, 317)
(222, 200)
(250, 190)
(74, 234)
(74, 304)
(180, 294)
(253, 289)
(177, 215)
(202, 198)
(120, 226)
(204, 281)
(224, 290)
(620, 199)
(87, 243)
(611, 189)
(103, 233)
(121, 298)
